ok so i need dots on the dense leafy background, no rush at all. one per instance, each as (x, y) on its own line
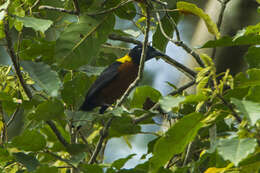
(216, 129)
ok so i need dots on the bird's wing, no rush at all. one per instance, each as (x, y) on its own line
(104, 79)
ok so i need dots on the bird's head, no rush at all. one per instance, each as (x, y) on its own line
(136, 52)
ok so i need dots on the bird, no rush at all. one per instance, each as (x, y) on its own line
(115, 79)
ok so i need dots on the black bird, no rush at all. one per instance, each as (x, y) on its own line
(115, 79)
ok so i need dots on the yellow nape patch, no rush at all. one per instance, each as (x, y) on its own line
(124, 59)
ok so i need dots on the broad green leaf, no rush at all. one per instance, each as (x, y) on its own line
(250, 78)
(142, 93)
(250, 164)
(29, 161)
(238, 93)
(229, 41)
(127, 11)
(29, 140)
(169, 102)
(4, 155)
(192, 8)
(91, 168)
(49, 110)
(80, 42)
(250, 109)
(46, 169)
(195, 98)
(252, 57)
(254, 94)
(35, 23)
(81, 118)
(73, 92)
(235, 149)
(31, 49)
(123, 126)
(159, 41)
(175, 140)
(44, 76)
(118, 164)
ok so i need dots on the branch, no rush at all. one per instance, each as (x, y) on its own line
(15, 58)
(190, 73)
(230, 106)
(57, 133)
(13, 116)
(220, 19)
(47, 7)
(157, 105)
(124, 39)
(111, 9)
(142, 60)
(180, 43)
(76, 6)
(60, 158)
(103, 135)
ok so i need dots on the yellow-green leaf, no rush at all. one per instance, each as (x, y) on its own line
(192, 8)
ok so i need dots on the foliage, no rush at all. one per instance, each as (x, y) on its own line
(62, 50)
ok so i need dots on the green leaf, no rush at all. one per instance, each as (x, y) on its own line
(250, 78)
(30, 162)
(118, 164)
(169, 102)
(123, 126)
(80, 42)
(91, 168)
(44, 76)
(195, 98)
(35, 23)
(254, 94)
(235, 150)
(73, 92)
(45, 168)
(252, 57)
(159, 41)
(49, 110)
(250, 109)
(4, 155)
(229, 41)
(29, 140)
(127, 11)
(142, 93)
(175, 140)
(250, 164)
(192, 8)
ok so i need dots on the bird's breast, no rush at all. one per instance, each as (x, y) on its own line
(127, 74)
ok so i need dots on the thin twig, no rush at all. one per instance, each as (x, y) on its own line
(220, 19)
(124, 39)
(3, 130)
(15, 58)
(47, 7)
(103, 135)
(174, 25)
(187, 154)
(180, 43)
(157, 105)
(230, 106)
(76, 6)
(111, 9)
(57, 133)
(13, 116)
(142, 60)
(60, 158)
